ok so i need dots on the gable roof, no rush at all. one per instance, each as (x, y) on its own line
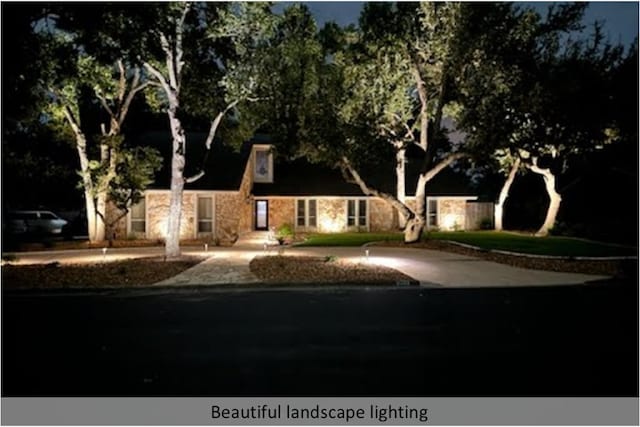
(302, 178)
(225, 166)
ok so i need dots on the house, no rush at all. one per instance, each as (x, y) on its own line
(251, 190)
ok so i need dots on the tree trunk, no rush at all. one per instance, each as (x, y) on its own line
(91, 215)
(101, 205)
(172, 245)
(413, 230)
(400, 184)
(554, 198)
(415, 224)
(504, 194)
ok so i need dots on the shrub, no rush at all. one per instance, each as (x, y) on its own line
(330, 258)
(485, 223)
(285, 231)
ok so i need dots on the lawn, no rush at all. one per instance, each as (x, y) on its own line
(512, 242)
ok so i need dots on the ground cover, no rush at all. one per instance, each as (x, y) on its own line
(116, 274)
(322, 270)
(488, 240)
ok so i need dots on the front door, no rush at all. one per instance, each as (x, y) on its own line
(262, 214)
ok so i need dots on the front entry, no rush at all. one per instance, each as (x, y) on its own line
(262, 215)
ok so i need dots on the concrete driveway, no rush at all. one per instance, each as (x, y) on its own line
(231, 265)
(435, 268)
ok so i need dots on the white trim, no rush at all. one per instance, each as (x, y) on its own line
(453, 197)
(146, 218)
(197, 216)
(159, 191)
(357, 213)
(301, 196)
(260, 178)
(306, 225)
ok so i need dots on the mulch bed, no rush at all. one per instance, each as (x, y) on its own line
(599, 267)
(311, 269)
(116, 274)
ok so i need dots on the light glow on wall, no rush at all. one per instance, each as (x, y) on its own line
(449, 222)
(330, 226)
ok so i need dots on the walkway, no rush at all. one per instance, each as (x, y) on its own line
(230, 265)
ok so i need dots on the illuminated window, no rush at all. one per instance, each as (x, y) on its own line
(357, 213)
(306, 213)
(138, 217)
(432, 209)
(205, 214)
(263, 167)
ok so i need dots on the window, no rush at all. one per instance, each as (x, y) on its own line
(432, 211)
(311, 213)
(205, 214)
(263, 165)
(138, 214)
(306, 213)
(357, 213)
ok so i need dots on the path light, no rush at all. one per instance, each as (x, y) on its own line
(206, 247)
(264, 247)
(104, 254)
(366, 253)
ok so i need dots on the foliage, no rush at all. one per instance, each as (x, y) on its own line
(486, 224)
(285, 231)
(134, 173)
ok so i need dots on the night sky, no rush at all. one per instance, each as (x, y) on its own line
(620, 18)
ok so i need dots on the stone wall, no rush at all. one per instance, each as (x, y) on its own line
(451, 214)
(382, 216)
(281, 211)
(332, 215)
(228, 213)
(157, 205)
(244, 203)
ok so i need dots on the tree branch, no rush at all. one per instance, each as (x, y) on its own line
(135, 88)
(212, 133)
(159, 77)
(104, 104)
(443, 164)
(424, 117)
(401, 207)
(123, 81)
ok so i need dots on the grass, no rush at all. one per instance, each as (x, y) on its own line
(512, 242)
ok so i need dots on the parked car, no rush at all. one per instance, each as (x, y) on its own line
(35, 222)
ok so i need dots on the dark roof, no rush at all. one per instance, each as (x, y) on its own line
(301, 178)
(223, 169)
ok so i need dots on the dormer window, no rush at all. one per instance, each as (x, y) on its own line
(263, 164)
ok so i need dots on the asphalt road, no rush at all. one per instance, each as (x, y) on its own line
(553, 341)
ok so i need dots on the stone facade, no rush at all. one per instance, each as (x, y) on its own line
(234, 213)
(227, 217)
(382, 216)
(281, 211)
(332, 215)
(157, 205)
(451, 214)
